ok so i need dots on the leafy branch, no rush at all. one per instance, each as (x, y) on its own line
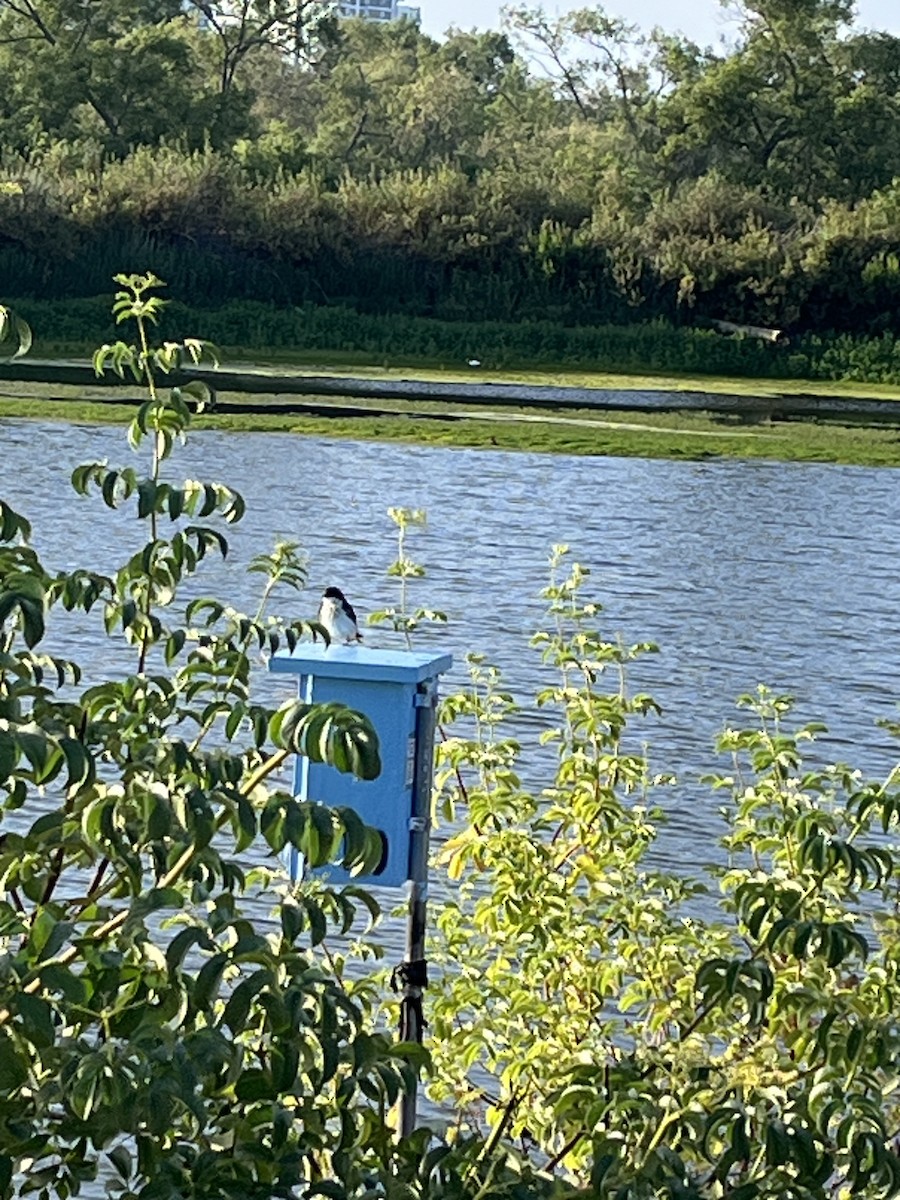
(405, 569)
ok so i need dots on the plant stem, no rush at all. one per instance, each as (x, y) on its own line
(567, 1149)
(154, 474)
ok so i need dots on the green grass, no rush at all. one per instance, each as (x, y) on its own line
(359, 363)
(694, 435)
(560, 376)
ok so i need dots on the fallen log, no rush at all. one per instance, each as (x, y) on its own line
(756, 331)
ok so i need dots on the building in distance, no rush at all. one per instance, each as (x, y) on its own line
(379, 10)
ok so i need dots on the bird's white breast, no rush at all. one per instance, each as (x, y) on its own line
(332, 616)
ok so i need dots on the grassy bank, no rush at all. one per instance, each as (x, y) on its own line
(561, 376)
(357, 364)
(341, 336)
(695, 435)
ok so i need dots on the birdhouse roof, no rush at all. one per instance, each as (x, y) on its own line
(361, 662)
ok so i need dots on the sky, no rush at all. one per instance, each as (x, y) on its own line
(705, 21)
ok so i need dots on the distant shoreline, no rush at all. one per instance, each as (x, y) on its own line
(638, 416)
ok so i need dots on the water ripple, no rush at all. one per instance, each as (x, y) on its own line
(742, 572)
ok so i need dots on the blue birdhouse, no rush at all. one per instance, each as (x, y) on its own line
(397, 691)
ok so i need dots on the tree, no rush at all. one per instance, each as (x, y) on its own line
(99, 69)
(392, 99)
(146, 1027)
(796, 108)
(867, 151)
(602, 64)
(299, 30)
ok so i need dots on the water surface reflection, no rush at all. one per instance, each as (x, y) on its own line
(742, 572)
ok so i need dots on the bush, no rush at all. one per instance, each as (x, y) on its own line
(591, 1016)
(147, 1030)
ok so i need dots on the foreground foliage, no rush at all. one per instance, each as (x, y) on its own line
(150, 1032)
(600, 1028)
(642, 1034)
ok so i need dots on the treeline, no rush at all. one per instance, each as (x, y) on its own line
(303, 162)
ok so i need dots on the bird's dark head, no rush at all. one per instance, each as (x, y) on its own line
(333, 593)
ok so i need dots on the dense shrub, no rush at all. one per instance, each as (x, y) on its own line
(438, 244)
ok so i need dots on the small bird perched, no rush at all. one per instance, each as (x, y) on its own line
(337, 615)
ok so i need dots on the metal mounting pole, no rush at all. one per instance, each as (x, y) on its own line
(412, 974)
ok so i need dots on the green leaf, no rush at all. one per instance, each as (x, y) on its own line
(9, 754)
(201, 393)
(49, 935)
(12, 525)
(79, 762)
(14, 329)
(291, 917)
(121, 1160)
(237, 1008)
(209, 978)
(13, 1068)
(255, 1084)
(330, 733)
(37, 1020)
(64, 981)
(184, 941)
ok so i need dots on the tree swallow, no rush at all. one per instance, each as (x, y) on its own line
(337, 615)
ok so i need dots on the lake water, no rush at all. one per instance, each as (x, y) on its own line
(742, 572)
